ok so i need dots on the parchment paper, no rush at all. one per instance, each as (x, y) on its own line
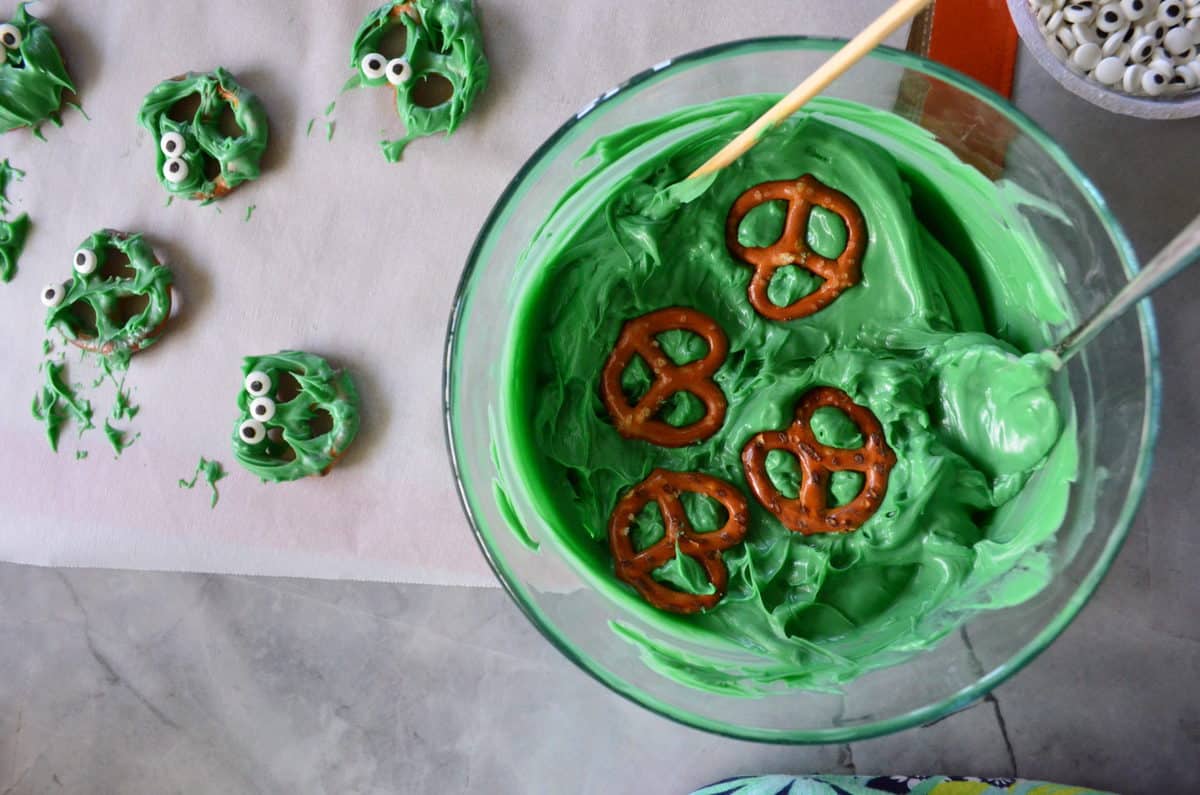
(344, 255)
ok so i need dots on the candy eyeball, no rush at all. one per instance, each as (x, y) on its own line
(84, 261)
(175, 170)
(398, 71)
(262, 409)
(373, 65)
(53, 295)
(10, 36)
(173, 145)
(258, 383)
(252, 432)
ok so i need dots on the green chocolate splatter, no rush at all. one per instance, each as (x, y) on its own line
(250, 211)
(308, 130)
(212, 472)
(444, 43)
(330, 126)
(53, 402)
(289, 446)
(119, 439)
(8, 174)
(94, 311)
(47, 347)
(122, 407)
(329, 108)
(204, 142)
(80, 455)
(12, 243)
(956, 286)
(32, 77)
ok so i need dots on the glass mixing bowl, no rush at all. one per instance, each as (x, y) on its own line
(1114, 386)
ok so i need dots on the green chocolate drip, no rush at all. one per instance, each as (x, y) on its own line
(81, 455)
(119, 439)
(32, 77)
(14, 232)
(93, 312)
(12, 243)
(955, 285)
(212, 472)
(238, 157)
(250, 211)
(447, 42)
(52, 404)
(298, 452)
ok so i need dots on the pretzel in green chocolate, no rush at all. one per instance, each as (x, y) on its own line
(32, 74)
(110, 311)
(298, 415)
(443, 50)
(196, 158)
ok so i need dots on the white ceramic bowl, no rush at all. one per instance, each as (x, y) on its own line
(1181, 106)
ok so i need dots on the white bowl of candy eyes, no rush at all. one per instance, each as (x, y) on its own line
(1136, 57)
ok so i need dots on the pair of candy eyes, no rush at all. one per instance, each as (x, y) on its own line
(84, 262)
(173, 145)
(262, 408)
(397, 70)
(10, 36)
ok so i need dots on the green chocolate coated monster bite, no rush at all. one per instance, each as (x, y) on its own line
(32, 75)
(298, 415)
(197, 156)
(112, 312)
(443, 45)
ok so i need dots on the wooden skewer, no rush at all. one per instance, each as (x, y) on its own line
(854, 50)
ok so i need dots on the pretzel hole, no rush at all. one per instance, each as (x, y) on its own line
(827, 234)
(286, 387)
(682, 346)
(394, 41)
(321, 423)
(277, 448)
(703, 512)
(843, 487)
(763, 226)
(684, 574)
(784, 472)
(83, 318)
(834, 428)
(636, 379)
(681, 409)
(115, 265)
(185, 109)
(211, 166)
(227, 122)
(791, 283)
(647, 528)
(431, 90)
(128, 307)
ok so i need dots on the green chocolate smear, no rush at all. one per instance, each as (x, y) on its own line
(444, 53)
(211, 472)
(118, 438)
(955, 289)
(202, 142)
(313, 417)
(32, 76)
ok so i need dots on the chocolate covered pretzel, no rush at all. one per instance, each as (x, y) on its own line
(809, 512)
(638, 338)
(637, 568)
(801, 195)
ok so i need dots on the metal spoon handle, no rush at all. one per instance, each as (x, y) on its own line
(1181, 252)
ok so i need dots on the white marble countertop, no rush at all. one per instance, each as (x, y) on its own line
(132, 683)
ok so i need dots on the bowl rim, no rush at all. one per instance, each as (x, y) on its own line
(965, 696)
